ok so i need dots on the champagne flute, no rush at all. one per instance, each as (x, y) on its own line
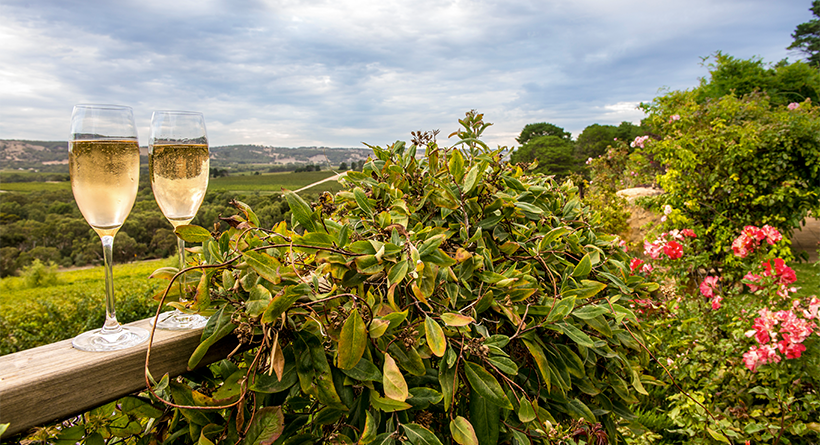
(179, 163)
(104, 161)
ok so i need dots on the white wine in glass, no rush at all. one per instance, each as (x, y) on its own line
(104, 162)
(179, 166)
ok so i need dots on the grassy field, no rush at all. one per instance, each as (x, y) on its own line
(31, 317)
(13, 291)
(248, 183)
(273, 182)
(26, 187)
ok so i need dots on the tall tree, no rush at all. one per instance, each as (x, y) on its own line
(532, 131)
(782, 82)
(553, 153)
(807, 36)
(596, 138)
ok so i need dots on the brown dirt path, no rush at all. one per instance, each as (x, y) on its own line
(808, 239)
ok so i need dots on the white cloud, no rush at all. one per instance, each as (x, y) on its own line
(336, 73)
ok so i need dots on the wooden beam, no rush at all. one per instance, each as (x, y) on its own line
(56, 381)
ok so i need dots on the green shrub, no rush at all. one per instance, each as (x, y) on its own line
(40, 275)
(449, 298)
(732, 162)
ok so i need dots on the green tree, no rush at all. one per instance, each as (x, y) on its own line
(733, 162)
(596, 138)
(553, 154)
(532, 131)
(782, 82)
(807, 36)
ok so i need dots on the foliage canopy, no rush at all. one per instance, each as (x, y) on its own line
(452, 299)
(807, 36)
(732, 162)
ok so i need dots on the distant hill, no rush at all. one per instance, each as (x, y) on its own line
(258, 154)
(53, 155)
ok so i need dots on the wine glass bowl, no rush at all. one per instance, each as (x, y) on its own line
(179, 165)
(104, 160)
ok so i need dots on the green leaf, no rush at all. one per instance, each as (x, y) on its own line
(283, 301)
(485, 418)
(352, 341)
(94, 439)
(363, 201)
(520, 438)
(183, 395)
(364, 371)
(378, 327)
(589, 312)
(577, 335)
(301, 211)
(471, 178)
(448, 379)
(419, 435)
(456, 320)
(583, 268)
(717, 436)
(526, 413)
(268, 424)
(636, 383)
(504, 365)
(265, 265)
(456, 165)
(422, 398)
(398, 272)
(139, 407)
(431, 244)
(386, 404)
(561, 309)
(370, 429)
(588, 289)
(490, 221)
(192, 234)
(540, 360)
(165, 273)
(462, 431)
(327, 416)
(270, 384)
(409, 359)
(395, 387)
(435, 337)
(218, 326)
(554, 234)
(581, 410)
(529, 208)
(486, 385)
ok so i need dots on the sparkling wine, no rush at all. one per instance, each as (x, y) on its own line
(104, 179)
(179, 178)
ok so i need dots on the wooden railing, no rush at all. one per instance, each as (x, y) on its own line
(56, 381)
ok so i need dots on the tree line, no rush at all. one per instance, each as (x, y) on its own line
(48, 226)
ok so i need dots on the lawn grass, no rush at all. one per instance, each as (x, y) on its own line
(808, 279)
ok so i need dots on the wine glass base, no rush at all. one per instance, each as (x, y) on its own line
(95, 341)
(177, 320)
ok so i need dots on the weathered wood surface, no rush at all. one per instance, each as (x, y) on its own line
(56, 381)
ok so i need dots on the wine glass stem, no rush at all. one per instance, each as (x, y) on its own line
(181, 248)
(111, 325)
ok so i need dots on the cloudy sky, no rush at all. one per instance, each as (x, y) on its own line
(342, 72)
